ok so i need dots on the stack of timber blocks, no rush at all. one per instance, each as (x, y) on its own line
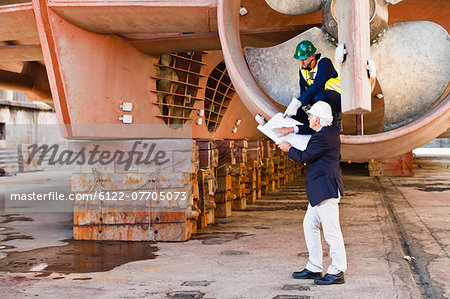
(268, 166)
(139, 215)
(254, 164)
(243, 174)
(207, 182)
(281, 167)
(223, 175)
(277, 169)
(229, 155)
(224, 196)
(247, 173)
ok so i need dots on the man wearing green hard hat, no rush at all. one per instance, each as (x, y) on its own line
(305, 49)
(319, 81)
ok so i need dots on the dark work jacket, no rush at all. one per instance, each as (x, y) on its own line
(323, 170)
(325, 71)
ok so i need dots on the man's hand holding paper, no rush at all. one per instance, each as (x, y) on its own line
(284, 146)
(279, 129)
(284, 131)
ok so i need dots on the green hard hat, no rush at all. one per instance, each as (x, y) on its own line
(304, 49)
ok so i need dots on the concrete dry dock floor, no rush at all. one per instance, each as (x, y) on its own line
(251, 254)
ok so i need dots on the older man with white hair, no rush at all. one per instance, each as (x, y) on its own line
(324, 188)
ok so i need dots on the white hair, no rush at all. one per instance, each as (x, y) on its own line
(325, 121)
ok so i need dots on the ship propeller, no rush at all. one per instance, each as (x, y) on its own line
(412, 60)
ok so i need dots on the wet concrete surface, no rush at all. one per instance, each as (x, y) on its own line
(251, 254)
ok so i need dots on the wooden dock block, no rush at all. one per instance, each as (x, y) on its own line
(268, 148)
(239, 204)
(223, 203)
(134, 219)
(238, 179)
(223, 210)
(241, 146)
(208, 153)
(227, 152)
(272, 185)
(156, 226)
(206, 203)
(396, 166)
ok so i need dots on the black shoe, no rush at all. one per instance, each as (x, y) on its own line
(331, 279)
(306, 274)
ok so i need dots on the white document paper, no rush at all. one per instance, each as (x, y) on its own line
(277, 121)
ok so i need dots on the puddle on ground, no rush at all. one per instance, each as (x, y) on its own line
(196, 283)
(79, 257)
(306, 254)
(214, 238)
(296, 287)
(427, 187)
(15, 236)
(238, 217)
(14, 217)
(348, 194)
(185, 294)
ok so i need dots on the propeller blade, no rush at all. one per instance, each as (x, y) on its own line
(275, 68)
(413, 69)
(295, 7)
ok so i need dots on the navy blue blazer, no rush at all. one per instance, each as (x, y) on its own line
(323, 170)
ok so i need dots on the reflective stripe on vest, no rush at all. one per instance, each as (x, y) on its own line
(331, 84)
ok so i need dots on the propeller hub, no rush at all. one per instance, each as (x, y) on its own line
(378, 13)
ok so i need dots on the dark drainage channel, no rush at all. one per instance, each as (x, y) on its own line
(419, 271)
(185, 294)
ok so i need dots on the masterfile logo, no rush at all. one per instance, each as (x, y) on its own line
(141, 153)
(106, 167)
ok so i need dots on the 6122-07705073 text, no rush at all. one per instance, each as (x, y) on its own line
(101, 195)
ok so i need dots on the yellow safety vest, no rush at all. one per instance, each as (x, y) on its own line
(331, 84)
